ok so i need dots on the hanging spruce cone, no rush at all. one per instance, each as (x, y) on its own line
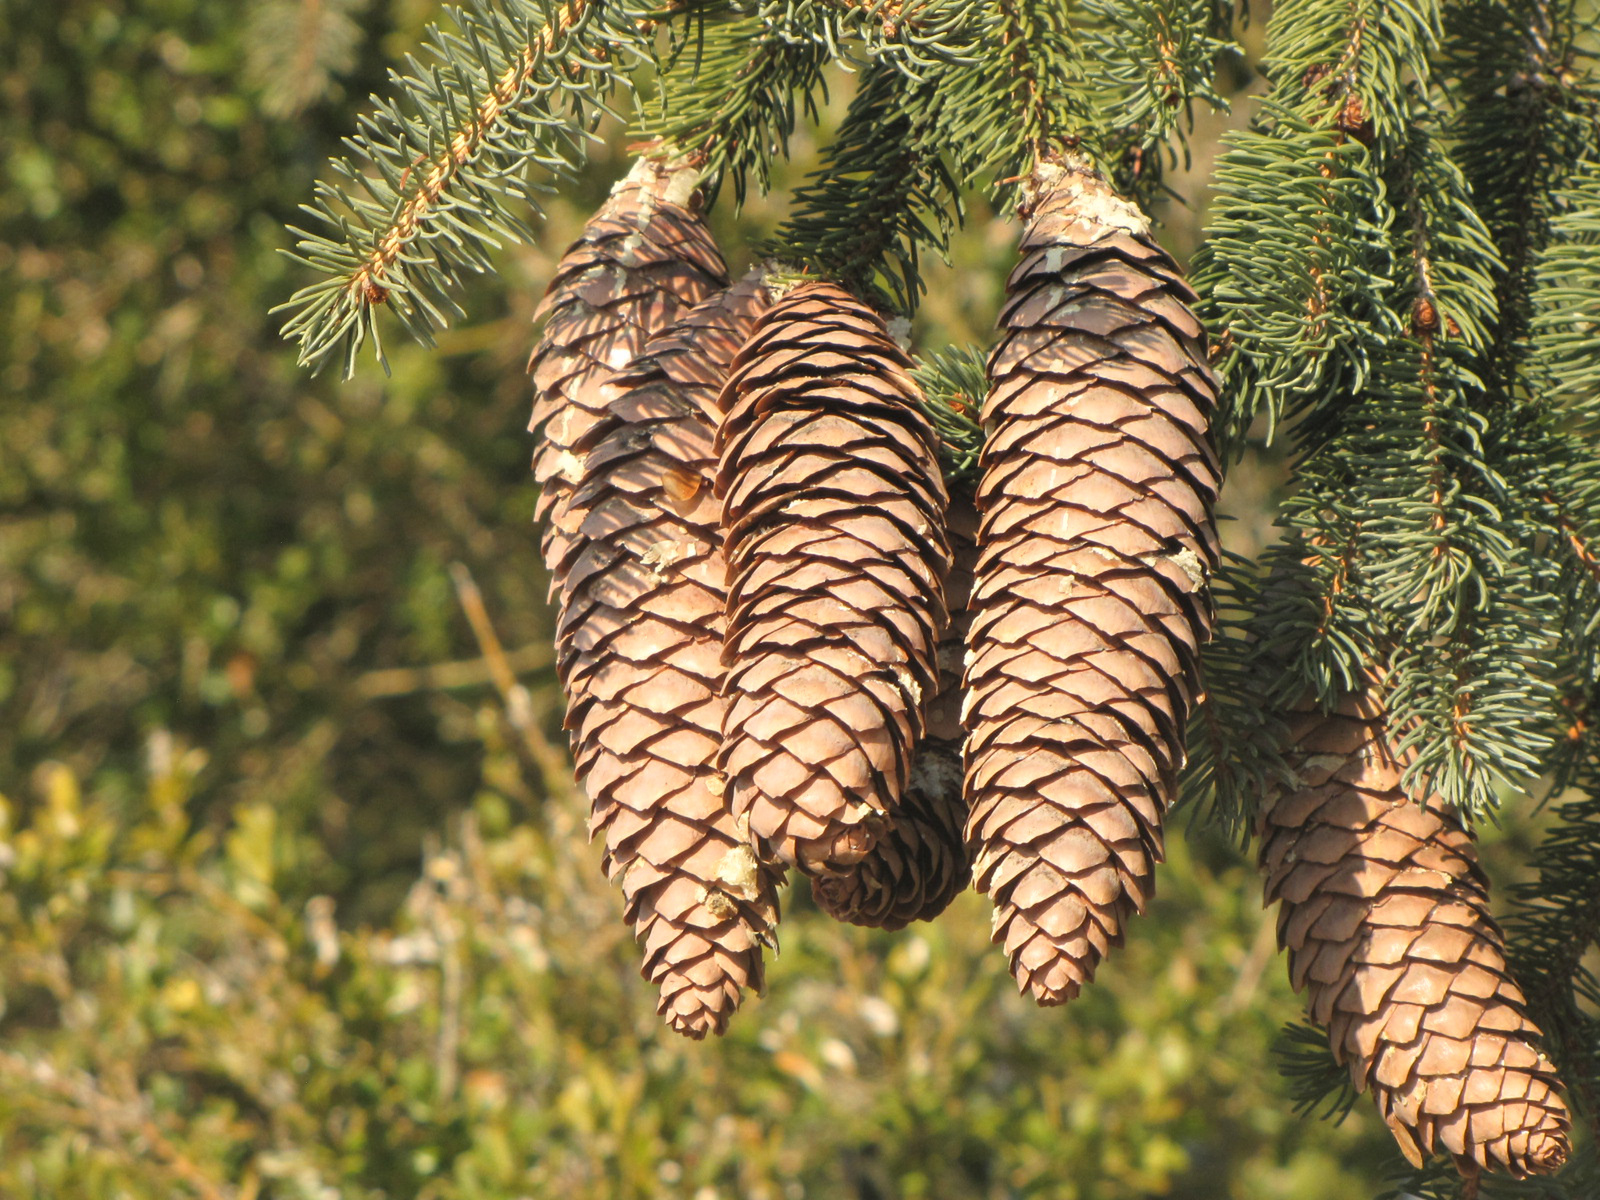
(920, 864)
(1090, 603)
(639, 651)
(1385, 914)
(833, 515)
(641, 260)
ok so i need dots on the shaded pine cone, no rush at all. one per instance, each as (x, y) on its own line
(1385, 914)
(833, 514)
(639, 647)
(1091, 602)
(920, 863)
(641, 260)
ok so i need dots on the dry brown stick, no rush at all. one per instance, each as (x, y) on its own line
(554, 772)
(389, 682)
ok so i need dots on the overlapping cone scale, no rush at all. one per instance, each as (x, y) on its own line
(1385, 915)
(1091, 602)
(639, 648)
(642, 260)
(920, 863)
(833, 515)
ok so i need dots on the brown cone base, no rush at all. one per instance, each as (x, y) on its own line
(1385, 914)
(833, 515)
(639, 650)
(1090, 603)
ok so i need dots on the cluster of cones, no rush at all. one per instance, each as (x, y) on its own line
(786, 645)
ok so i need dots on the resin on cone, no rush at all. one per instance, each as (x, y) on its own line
(920, 863)
(1385, 914)
(639, 647)
(1091, 602)
(642, 260)
(833, 514)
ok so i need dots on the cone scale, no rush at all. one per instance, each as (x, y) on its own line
(833, 515)
(1090, 603)
(1385, 915)
(639, 646)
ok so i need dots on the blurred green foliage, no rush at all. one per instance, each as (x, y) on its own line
(290, 908)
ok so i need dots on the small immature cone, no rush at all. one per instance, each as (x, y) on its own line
(920, 864)
(639, 648)
(643, 259)
(1091, 601)
(1385, 914)
(833, 514)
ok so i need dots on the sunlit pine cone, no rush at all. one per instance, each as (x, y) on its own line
(642, 259)
(833, 514)
(920, 864)
(639, 648)
(1091, 601)
(1385, 914)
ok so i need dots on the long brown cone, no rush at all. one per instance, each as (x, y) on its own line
(833, 514)
(1385, 914)
(639, 650)
(1090, 603)
(641, 260)
(920, 864)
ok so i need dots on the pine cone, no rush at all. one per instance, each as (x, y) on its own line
(1385, 914)
(1091, 600)
(643, 259)
(639, 651)
(920, 864)
(833, 514)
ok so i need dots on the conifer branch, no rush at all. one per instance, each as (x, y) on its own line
(1389, 425)
(1026, 27)
(1526, 115)
(439, 172)
(883, 193)
(464, 144)
(953, 382)
(1565, 316)
(1555, 922)
(737, 98)
(298, 47)
(1235, 744)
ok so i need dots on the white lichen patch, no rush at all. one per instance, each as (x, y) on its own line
(569, 466)
(783, 278)
(908, 683)
(660, 556)
(1085, 196)
(937, 774)
(722, 905)
(812, 508)
(681, 184)
(738, 873)
(1187, 561)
